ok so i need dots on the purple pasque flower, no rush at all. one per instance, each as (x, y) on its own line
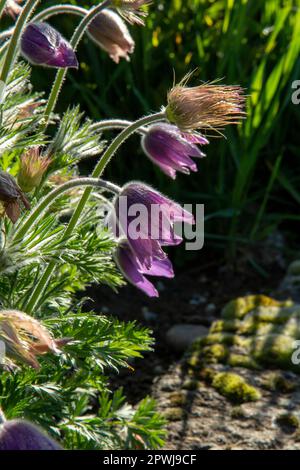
(146, 218)
(22, 435)
(43, 45)
(134, 271)
(171, 149)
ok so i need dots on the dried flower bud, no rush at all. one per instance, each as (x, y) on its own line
(21, 435)
(12, 8)
(11, 196)
(206, 106)
(25, 337)
(32, 169)
(110, 32)
(43, 45)
(132, 10)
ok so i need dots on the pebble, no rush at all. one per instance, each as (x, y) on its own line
(181, 336)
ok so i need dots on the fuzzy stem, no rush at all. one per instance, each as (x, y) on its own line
(24, 16)
(111, 124)
(57, 192)
(60, 9)
(106, 157)
(61, 74)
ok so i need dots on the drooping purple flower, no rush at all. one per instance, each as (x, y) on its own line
(146, 218)
(134, 271)
(43, 45)
(22, 435)
(171, 149)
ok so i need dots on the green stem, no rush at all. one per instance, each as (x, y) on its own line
(60, 9)
(105, 159)
(111, 124)
(24, 16)
(100, 167)
(57, 192)
(61, 74)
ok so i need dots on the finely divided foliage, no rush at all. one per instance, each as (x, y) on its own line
(55, 241)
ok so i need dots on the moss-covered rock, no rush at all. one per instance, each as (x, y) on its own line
(254, 333)
(174, 414)
(235, 388)
(239, 307)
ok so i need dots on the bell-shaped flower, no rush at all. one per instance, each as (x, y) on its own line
(110, 33)
(42, 45)
(18, 434)
(135, 272)
(172, 150)
(132, 10)
(146, 218)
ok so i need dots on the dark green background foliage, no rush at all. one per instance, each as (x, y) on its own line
(250, 182)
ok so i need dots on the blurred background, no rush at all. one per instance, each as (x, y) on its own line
(249, 182)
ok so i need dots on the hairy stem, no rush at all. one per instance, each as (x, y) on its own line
(57, 192)
(61, 74)
(111, 124)
(60, 9)
(100, 167)
(24, 16)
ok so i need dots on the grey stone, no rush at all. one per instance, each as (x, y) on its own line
(181, 336)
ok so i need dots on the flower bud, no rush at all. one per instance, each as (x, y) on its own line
(12, 8)
(206, 106)
(11, 196)
(25, 337)
(132, 10)
(110, 32)
(32, 169)
(22, 435)
(43, 45)
(171, 150)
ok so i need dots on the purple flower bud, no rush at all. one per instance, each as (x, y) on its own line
(171, 150)
(135, 272)
(110, 32)
(43, 45)
(22, 435)
(146, 218)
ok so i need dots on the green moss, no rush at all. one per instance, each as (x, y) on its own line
(241, 360)
(234, 387)
(215, 353)
(239, 307)
(274, 350)
(276, 382)
(288, 421)
(220, 326)
(194, 360)
(174, 414)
